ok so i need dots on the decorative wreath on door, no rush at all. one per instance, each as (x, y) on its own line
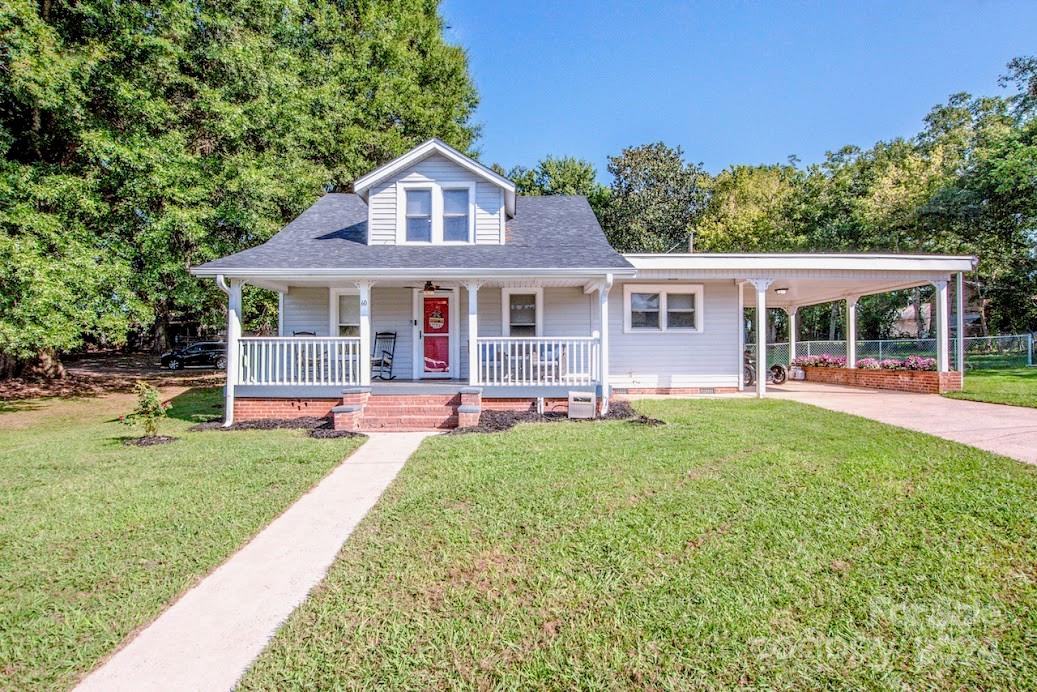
(435, 319)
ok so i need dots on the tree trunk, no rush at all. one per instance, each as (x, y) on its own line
(45, 365)
(161, 340)
(833, 321)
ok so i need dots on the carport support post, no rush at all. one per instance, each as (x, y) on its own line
(473, 331)
(851, 332)
(959, 315)
(792, 312)
(233, 291)
(365, 332)
(943, 346)
(761, 334)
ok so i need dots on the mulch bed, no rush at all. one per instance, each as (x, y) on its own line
(149, 441)
(499, 421)
(320, 428)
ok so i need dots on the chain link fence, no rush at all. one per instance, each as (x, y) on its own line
(1011, 351)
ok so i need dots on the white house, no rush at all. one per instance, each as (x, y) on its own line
(434, 291)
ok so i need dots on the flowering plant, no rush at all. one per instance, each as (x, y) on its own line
(822, 361)
(868, 364)
(919, 363)
(891, 364)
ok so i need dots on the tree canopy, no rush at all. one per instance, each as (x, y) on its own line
(139, 139)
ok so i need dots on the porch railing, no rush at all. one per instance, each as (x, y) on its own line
(299, 361)
(533, 361)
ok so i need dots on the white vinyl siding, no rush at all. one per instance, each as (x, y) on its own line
(678, 358)
(306, 310)
(392, 311)
(382, 202)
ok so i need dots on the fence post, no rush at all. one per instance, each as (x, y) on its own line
(880, 350)
(1029, 350)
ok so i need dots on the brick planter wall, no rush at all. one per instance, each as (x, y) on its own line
(918, 381)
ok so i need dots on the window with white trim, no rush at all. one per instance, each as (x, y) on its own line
(662, 308)
(430, 213)
(419, 215)
(456, 216)
(522, 311)
(345, 312)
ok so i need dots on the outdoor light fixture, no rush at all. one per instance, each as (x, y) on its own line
(429, 288)
(781, 291)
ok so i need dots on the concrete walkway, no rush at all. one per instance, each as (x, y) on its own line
(207, 639)
(1007, 430)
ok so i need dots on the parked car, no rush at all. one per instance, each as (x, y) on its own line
(210, 354)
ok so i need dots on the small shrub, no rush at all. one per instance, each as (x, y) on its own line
(891, 364)
(149, 410)
(868, 364)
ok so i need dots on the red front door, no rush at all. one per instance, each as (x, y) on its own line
(435, 328)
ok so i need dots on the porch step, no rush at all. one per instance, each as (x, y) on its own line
(407, 412)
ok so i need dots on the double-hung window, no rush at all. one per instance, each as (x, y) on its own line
(522, 311)
(456, 217)
(662, 308)
(434, 213)
(419, 215)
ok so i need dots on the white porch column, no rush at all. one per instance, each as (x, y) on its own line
(851, 332)
(959, 310)
(793, 312)
(365, 332)
(603, 368)
(761, 334)
(943, 345)
(473, 330)
(741, 335)
(233, 292)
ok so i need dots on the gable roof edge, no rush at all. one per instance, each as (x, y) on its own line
(362, 185)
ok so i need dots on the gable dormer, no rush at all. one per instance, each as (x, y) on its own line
(435, 195)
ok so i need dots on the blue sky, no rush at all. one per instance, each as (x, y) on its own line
(730, 82)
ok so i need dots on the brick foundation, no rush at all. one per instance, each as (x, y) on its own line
(256, 409)
(918, 381)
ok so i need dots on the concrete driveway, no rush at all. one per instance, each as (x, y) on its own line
(1007, 430)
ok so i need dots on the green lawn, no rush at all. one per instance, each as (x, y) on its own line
(1015, 387)
(97, 537)
(766, 544)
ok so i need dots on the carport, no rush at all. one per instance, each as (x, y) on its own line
(793, 281)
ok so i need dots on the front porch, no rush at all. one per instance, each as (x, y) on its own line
(419, 344)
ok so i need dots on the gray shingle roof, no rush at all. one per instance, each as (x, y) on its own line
(559, 232)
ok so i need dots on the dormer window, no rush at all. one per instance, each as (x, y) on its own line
(433, 213)
(456, 217)
(419, 215)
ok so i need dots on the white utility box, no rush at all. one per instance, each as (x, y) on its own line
(581, 404)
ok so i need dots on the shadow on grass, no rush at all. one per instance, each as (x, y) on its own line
(19, 405)
(197, 405)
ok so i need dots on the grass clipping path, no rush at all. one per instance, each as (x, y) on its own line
(746, 542)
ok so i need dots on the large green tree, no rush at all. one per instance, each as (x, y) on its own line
(564, 175)
(656, 199)
(138, 139)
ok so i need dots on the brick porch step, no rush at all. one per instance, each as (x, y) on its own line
(410, 412)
